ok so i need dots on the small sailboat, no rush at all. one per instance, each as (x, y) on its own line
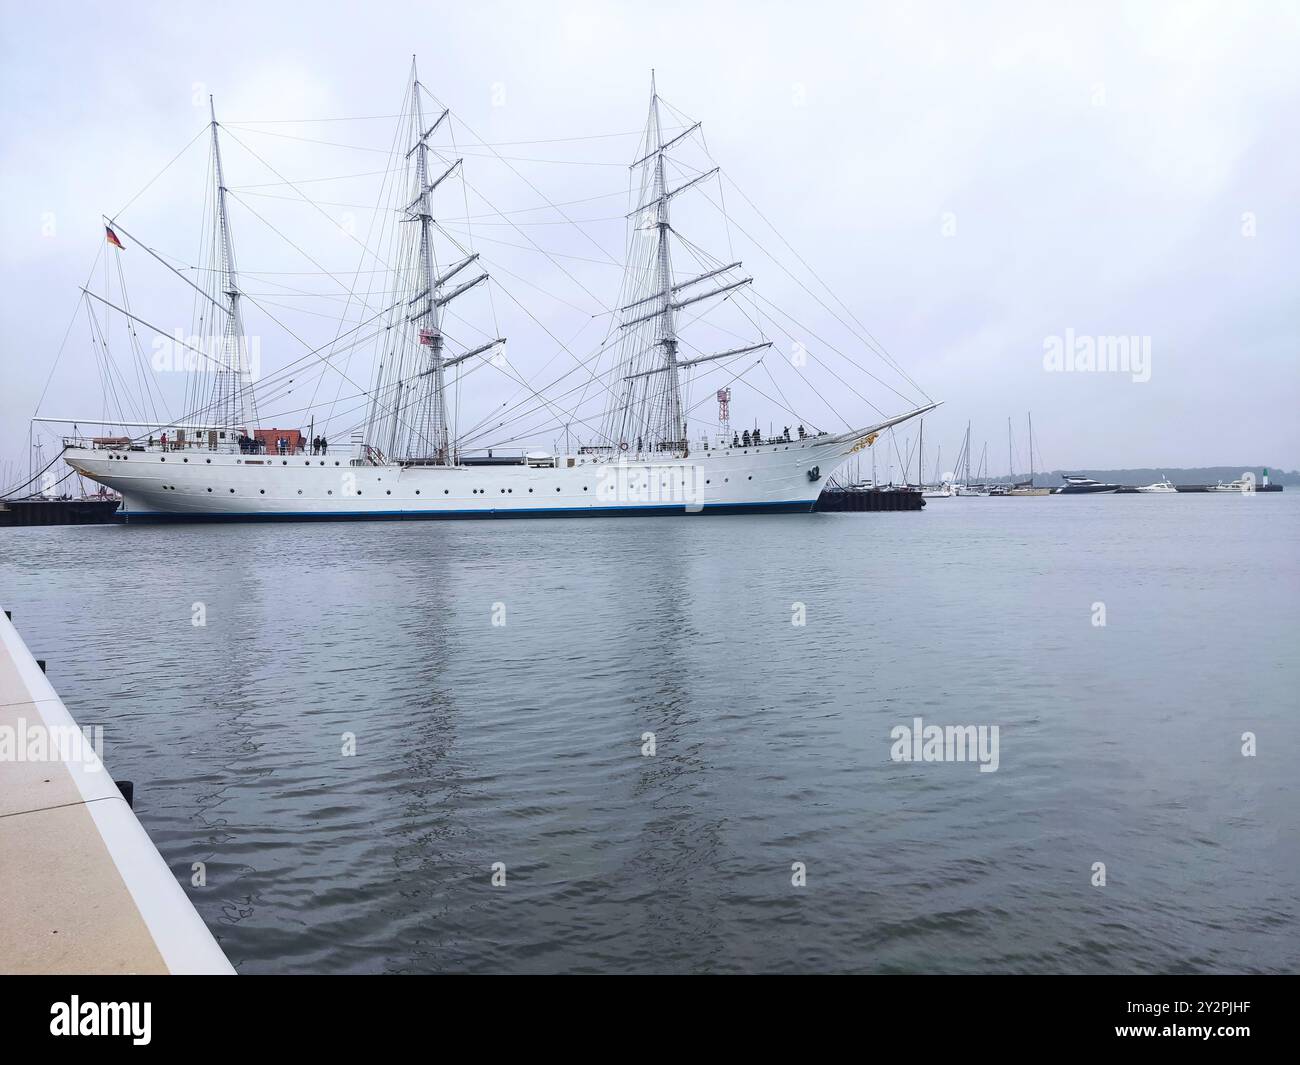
(1028, 488)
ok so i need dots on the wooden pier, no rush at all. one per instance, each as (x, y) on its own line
(84, 889)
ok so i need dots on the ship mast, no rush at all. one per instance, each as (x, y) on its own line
(672, 432)
(430, 438)
(431, 412)
(651, 398)
(233, 387)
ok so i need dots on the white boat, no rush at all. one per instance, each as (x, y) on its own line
(1241, 484)
(1162, 486)
(407, 462)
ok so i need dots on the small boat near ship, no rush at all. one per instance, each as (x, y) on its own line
(1161, 487)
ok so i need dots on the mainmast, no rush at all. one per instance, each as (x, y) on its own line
(232, 392)
(431, 412)
(430, 437)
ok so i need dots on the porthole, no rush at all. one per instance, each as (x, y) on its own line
(708, 481)
(358, 491)
(503, 491)
(162, 460)
(284, 462)
(300, 491)
(330, 492)
(751, 476)
(209, 489)
(417, 491)
(530, 491)
(232, 491)
(185, 460)
(446, 491)
(262, 491)
(208, 461)
(389, 492)
(584, 487)
(557, 489)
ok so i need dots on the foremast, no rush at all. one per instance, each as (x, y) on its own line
(649, 403)
(672, 433)
(232, 391)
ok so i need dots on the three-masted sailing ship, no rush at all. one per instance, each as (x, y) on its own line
(404, 461)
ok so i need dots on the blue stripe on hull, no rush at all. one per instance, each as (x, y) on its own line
(802, 506)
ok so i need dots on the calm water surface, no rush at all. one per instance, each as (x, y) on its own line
(522, 743)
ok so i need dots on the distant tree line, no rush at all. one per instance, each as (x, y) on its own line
(1185, 475)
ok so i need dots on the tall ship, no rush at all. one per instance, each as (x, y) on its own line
(647, 449)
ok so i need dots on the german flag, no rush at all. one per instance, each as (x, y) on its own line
(112, 238)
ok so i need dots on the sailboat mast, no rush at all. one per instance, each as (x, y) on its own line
(233, 383)
(920, 459)
(1030, 419)
(1011, 472)
(667, 326)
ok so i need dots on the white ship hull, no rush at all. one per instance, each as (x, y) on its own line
(198, 485)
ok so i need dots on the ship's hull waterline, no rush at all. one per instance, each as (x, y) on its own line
(212, 486)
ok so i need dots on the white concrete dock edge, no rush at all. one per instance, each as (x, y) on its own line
(69, 845)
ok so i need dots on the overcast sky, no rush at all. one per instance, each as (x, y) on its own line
(973, 180)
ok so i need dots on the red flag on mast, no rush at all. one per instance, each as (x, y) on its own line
(112, 238)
